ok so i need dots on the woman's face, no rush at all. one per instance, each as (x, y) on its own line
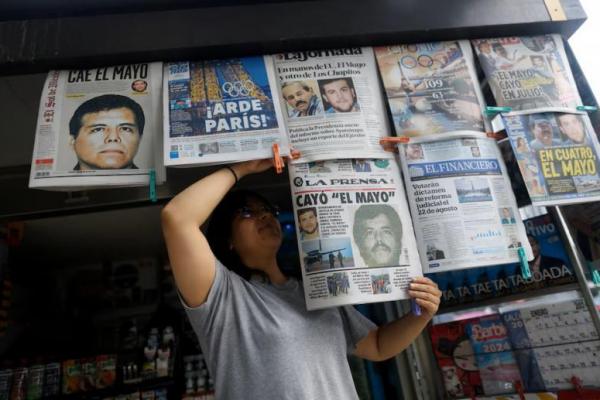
(255, 232)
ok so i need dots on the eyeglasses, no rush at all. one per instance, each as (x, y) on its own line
(250, 212)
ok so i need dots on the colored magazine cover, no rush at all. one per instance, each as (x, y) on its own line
(549, 267)
(524, 354)
(456, 359)
(493, 352)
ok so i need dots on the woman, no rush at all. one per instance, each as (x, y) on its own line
(257, 337)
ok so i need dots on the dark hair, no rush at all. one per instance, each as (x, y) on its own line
(370, 211)
(104, 103)
(323, 82)
(303, 211)
(220, 229)
(303, 84)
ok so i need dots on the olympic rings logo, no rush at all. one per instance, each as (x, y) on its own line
(238, 88)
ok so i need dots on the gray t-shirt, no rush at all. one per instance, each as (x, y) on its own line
(260, 342)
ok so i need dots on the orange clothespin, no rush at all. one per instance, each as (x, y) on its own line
(394, 139)
(519, 389)
(277, 160)
(389, 143)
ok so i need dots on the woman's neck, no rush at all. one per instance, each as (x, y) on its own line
(270, 268)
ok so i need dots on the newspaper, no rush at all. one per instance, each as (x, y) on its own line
(221, 111)
(464, 211)
(431, 87)
(528, 73)
(557, 154)
(333, 103)
(355, 236)
(98, 128)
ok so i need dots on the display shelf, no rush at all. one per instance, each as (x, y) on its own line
(37, 45)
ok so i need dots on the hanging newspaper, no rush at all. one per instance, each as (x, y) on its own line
(464, 212)
(221, 111)
(99, 127)
(527, 73)
(557, 154)
(333, 103)
(355, 236)
(431, 87)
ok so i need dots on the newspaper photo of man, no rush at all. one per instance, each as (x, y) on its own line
(301, 99)
(543, 133)
(308, 223)
(571, 126)
(377, 231)
(339, 95)
(106, 132)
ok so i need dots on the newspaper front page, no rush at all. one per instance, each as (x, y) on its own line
(221, 111)
(528, 73)
(464, 212)
(431, 87)
(557, 154)
(99, 128)
(333, 103)
(355, 236)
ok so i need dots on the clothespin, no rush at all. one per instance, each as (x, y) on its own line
(277, 160)
(153, 185)
(596, 277)
(519, 389)
(394, 139)
(525, 271)
(491, 111)
(587, 108)
(390, 143)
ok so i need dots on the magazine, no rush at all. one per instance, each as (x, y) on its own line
(355, 236)
(497, 365)
(456, 359)
(99, 128)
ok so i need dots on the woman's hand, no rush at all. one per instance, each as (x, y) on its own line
(251, 167)
(426, 294)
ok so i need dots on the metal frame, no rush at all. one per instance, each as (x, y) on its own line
(37, 45)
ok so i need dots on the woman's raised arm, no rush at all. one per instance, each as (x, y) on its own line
(192, 261)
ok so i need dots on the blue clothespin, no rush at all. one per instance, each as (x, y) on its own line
(596, 277)
(525, 271)
(490, 111)
(415, 308)
(587, 108)
(153, 185)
